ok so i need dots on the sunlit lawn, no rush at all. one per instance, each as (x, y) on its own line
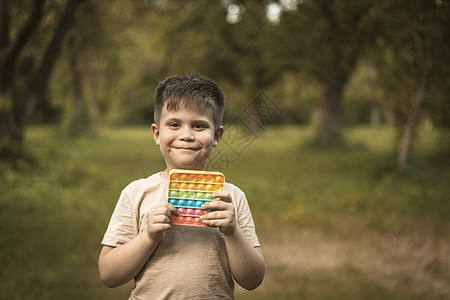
(341, 224)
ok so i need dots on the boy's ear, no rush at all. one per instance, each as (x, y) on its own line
(155, 132)
(218, 136)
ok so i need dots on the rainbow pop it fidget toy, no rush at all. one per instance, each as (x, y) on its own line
(188, 190)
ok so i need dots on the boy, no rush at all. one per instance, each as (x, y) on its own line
(172, 261)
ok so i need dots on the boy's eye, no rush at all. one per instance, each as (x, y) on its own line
(174, 125)
(199, 126)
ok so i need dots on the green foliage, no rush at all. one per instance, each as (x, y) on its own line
(412, 44)
(55, 209)
(296, 95)
(119, 50)
(124, 49)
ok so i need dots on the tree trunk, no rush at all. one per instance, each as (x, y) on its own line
(329, 113)
(374, 114)
(38, 86)
(11, 127)
(94, 106)
(76, 121)
(408, 131)
(11, 133)
(374, 103)
(11, 48)
(15, 109)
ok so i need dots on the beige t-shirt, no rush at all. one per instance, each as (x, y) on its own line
(190, 262)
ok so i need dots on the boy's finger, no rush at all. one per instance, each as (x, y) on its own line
(160, 219)
(209, 222)
(172, 208)
(214, 215)
(219, 205)
(161, 227)
(166, 210)
(224, 196)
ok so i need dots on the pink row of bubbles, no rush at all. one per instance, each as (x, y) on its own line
(191, 212)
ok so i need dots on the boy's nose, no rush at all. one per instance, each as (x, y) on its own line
(186, 134)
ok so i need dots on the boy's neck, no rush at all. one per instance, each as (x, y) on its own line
(165, 174)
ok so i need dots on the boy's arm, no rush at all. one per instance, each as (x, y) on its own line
(118, 265)
(246, 262)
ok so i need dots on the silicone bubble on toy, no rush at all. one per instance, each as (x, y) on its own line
(189, 190)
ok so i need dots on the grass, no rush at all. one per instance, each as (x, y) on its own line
(340, 224)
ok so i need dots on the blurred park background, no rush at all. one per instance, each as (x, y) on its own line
(337, 128)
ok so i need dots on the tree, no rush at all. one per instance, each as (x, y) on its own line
(413, 57)
(325, 39)
(23, 80)
(76, 89)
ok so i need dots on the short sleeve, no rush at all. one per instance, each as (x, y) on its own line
(244, 215)
(123, 225)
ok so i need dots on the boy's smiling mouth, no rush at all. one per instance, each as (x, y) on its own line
(187, 148)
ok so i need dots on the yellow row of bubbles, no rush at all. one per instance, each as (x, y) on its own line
(195, 186)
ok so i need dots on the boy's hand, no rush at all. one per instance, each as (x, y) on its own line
(223, 215)
(158, 220)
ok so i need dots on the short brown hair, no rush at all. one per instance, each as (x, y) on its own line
(188, 88)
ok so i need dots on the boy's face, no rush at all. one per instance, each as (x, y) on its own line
(186, 137)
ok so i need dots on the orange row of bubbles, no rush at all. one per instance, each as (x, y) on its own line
(197, 178)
